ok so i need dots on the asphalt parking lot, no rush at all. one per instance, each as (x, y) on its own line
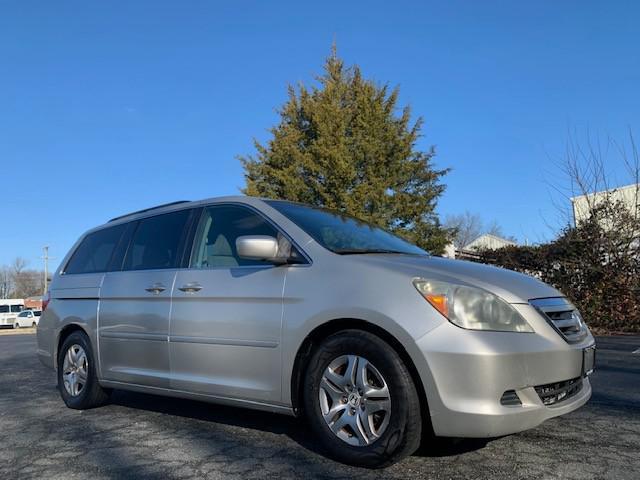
(144, 436)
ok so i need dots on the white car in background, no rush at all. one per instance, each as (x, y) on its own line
(27, 318)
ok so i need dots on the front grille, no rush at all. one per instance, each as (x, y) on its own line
(553, 393)
(563, 317)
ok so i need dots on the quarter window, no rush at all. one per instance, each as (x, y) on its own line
(156, 242)
(219, 227)
(95, 251)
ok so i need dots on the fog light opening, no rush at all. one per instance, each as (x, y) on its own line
(510, 399)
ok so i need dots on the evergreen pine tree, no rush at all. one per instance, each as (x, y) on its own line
(341, 145)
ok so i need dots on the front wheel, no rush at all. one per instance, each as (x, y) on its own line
(77, 379)
(360, 400)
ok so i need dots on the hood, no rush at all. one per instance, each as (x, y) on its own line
(511, 286)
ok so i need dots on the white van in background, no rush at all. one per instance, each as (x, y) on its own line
(9, 310)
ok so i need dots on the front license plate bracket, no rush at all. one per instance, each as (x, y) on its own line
(588, 360)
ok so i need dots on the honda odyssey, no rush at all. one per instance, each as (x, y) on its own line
(287, 308)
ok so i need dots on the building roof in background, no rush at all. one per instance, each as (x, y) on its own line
(582, 204)
(488, 242)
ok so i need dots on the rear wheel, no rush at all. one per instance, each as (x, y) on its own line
(33, 325)
(77, 379)
(361, 401)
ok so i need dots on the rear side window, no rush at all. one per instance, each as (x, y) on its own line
(95, 251)
(4, 308)
(16, 308)
(157, 241)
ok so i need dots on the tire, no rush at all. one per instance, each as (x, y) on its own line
(90, 394)
(34, 325)
(16, 326)
(397, 438)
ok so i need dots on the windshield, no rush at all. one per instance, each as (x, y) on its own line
(343, 234)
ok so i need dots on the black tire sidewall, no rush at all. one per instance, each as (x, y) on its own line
(399, 438)
(84, 400)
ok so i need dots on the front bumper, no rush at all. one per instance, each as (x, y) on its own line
(469, 371)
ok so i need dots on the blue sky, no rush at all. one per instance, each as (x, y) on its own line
(108, 107)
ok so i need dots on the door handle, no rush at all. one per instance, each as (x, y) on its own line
(156, 288)
(191, 287)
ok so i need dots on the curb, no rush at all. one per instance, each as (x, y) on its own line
(17, 331)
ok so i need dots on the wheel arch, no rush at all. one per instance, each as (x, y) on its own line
(326, 329)
(63, 335)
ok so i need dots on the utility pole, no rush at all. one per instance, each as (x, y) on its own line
(46, 259)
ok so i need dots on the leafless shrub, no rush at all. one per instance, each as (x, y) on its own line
(595, 260)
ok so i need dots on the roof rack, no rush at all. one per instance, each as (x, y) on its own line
(148, 210)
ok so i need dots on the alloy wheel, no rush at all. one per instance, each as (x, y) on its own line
(75, 370)
(355, 400)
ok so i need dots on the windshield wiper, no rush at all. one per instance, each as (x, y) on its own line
(360, 251)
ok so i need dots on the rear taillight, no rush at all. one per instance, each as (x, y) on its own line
(45, 301)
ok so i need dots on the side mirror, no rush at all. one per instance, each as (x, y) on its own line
(258, 247)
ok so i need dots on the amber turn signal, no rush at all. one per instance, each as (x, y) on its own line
(439, 302)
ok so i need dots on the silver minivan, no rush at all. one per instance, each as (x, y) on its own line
(282, 307)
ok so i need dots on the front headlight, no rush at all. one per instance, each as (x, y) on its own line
(470, 307)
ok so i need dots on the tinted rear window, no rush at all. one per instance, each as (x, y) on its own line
(95, 251)
(156, 242)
